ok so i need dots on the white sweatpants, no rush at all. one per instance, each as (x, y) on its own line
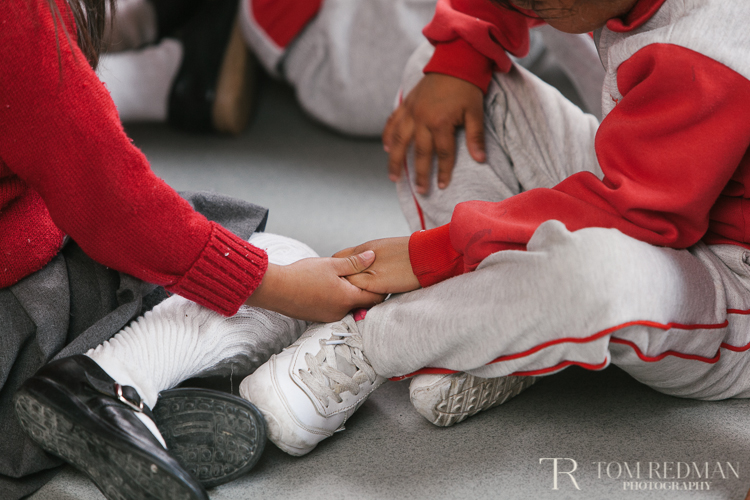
(676, 320)
(346, 65)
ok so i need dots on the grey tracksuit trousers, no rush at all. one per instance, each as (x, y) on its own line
(676, 320)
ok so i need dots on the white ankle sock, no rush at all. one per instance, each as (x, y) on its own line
(139, 81)
(179, 339)
(281, 250)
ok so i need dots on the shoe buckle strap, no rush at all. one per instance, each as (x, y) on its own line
(129, 397)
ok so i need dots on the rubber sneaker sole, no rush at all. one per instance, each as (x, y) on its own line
(215, 436)
(446, 400)
(119, 468)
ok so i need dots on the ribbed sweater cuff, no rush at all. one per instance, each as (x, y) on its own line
(225, 274)
(459, 59)
(433, 258)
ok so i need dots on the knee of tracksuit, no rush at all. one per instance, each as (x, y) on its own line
(586, 257)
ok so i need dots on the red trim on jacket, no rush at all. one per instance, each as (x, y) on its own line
(66, 165)
(283, 20)
(674, 153)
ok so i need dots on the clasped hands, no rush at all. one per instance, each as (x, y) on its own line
(326, 289)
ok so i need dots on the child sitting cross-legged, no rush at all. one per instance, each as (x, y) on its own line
(90, 240)
(571, 242)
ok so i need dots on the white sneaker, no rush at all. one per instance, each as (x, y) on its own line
(445, 400)
(309, 390)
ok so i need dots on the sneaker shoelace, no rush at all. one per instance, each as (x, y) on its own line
(324, 378)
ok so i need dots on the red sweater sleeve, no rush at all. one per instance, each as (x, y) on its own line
(667, 150)
(471, 38)
(60, 133)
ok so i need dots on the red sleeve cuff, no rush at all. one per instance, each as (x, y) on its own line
(433, 258)
(226, 273)
(458, 58)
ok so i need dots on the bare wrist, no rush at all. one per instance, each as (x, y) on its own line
(266, 295)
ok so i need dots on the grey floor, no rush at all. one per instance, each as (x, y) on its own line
(332, 192)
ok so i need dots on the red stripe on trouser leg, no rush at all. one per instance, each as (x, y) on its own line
(694, 357)
(416, 203)
(598, 335)
(424, 371)
(542, 371)
(604, 333)
(408, 178)
(561, 366)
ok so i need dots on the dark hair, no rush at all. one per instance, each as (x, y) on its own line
(507, 4)
(90, 17)
(504, 3)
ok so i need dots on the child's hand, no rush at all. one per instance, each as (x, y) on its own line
(429, 116)
(315, 289)
(390, 273)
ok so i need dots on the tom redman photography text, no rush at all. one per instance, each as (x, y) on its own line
(643, 475)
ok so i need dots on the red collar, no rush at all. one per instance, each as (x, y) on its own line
(638, 15)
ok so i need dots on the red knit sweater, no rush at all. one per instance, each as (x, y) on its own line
(67, 167)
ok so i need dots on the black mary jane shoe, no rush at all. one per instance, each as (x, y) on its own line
(74, 410)
(215, 436)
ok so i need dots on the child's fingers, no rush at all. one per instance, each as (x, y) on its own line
(388, 129)
(362, 281)
(474, 124)
(445, 150)
(354, 263)
(423, 148)
(367, 282)
(400, 136)
(364, 297)
(346, 252)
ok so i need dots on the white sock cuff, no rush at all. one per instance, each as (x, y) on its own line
(282, 250)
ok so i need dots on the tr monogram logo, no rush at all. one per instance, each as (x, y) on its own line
(556, 471)
(646, 476)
